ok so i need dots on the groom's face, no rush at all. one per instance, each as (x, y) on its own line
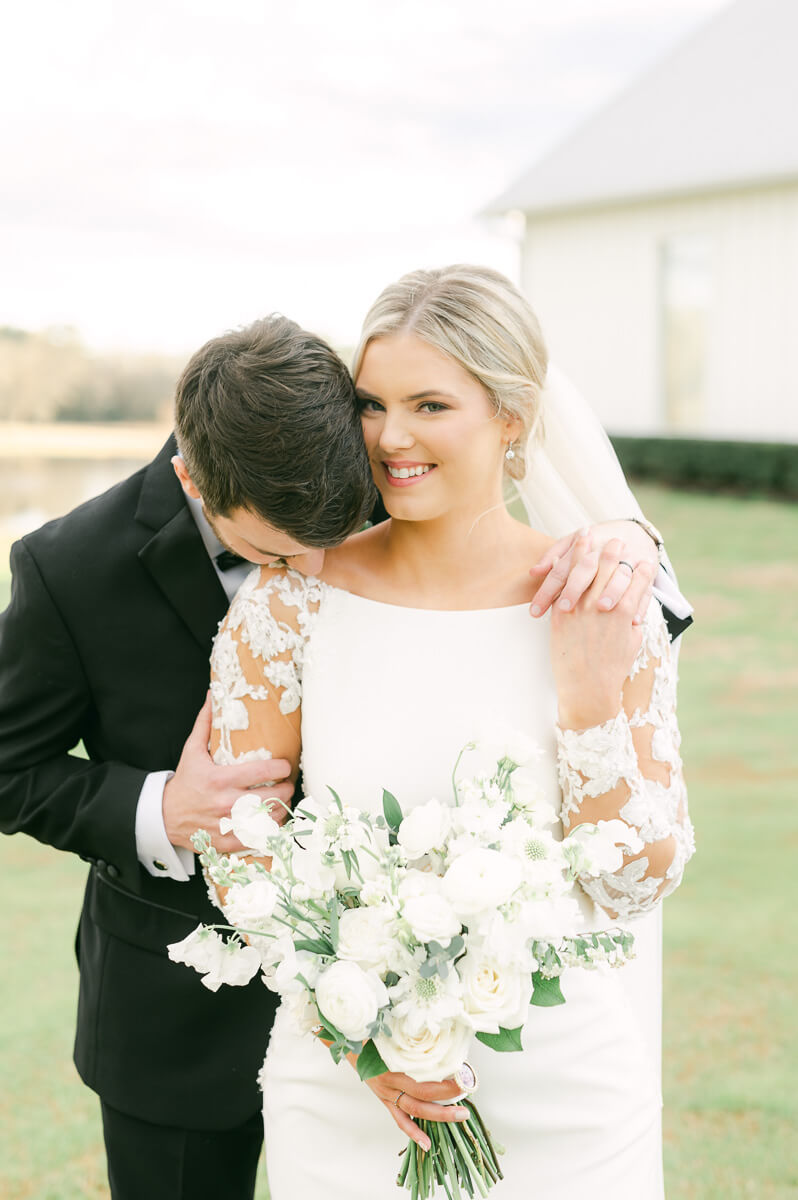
(251, 536)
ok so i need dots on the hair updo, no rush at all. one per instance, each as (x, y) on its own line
(477, 317)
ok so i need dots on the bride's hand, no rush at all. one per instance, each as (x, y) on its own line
(593, 651)
(405, 1099)
(569, 567)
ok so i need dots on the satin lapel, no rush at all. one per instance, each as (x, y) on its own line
(175, 556)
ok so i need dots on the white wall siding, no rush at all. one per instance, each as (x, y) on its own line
(594, 277)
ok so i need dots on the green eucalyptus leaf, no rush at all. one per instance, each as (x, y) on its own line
(392, 810)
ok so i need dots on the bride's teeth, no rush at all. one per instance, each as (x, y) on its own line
(407, 472)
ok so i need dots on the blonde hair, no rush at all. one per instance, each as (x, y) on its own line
(477, 317)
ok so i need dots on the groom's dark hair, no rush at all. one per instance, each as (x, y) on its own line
(267, 419)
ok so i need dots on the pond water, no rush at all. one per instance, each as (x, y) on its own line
(35, 490)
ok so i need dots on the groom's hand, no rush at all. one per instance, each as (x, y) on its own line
(569, 567)
(200, 792)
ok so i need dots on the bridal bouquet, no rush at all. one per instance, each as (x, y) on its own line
(401, 938)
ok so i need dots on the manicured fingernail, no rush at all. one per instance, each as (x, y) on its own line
(564, 604)
(425, 1143)
(535, 610)
(605, 602)
(461, 1114)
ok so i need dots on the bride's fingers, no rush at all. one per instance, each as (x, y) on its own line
(551, 586)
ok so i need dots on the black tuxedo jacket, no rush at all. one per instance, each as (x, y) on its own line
(107, 639)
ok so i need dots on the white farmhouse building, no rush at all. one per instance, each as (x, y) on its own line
(661, 243)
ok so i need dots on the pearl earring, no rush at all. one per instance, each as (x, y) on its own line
(509, 453)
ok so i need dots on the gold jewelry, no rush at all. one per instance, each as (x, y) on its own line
(653, 533)
(396, 1101)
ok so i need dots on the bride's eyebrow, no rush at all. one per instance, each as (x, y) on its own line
(364, 395)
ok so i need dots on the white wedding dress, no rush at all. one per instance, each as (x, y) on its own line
(389, 696)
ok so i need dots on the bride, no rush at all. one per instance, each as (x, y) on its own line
(416, 639)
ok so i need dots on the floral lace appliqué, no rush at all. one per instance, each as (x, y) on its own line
(591, 762)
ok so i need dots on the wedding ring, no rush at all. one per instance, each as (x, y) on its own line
(623, 563)
(396, 1101)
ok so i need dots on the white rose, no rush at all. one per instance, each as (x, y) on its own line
(350, 998)
(251, 821)
(425, 1053)
(495, 994)
(432, 918)
(480, 879)
(250, 905)
(424, 829)
(366, 936)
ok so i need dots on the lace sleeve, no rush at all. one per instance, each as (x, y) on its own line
(629, 768)
(256, 667)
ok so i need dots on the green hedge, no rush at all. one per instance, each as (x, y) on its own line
(761, 468)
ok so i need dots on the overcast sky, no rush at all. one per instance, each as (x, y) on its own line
(173, 168)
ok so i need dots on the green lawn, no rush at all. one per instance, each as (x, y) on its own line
(730, 1053)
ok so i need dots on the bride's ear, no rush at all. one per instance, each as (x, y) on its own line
(513, 428)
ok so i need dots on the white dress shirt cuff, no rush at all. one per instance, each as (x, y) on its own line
(667, 592)
(155, 852)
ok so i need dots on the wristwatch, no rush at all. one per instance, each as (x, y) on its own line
(653, 533)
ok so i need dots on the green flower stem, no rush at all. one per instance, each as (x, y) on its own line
(477, 1175)
(450, 1167)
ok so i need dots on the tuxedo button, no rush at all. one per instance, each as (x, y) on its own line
(100, 864)
(111, 871)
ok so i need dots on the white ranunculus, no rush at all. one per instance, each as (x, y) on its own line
(251, 821)
(367, 936)
(350, 998)
(431, 918)
(480, 879)
(425, 1053)
(530, 799)
(495, 993)
(424, 829)
(521, 749)
(250, 905)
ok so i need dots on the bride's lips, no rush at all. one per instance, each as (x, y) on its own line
(401, 473)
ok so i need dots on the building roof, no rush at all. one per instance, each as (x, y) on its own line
(719, 111)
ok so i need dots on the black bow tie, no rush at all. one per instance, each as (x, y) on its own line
(226, 560)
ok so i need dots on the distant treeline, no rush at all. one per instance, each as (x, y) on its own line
(53, 377)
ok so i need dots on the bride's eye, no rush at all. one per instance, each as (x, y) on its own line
(369, 404)
(433, 406)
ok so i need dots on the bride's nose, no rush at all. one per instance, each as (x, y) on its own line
(395, 433)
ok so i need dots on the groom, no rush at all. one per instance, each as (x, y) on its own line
(106, 640)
